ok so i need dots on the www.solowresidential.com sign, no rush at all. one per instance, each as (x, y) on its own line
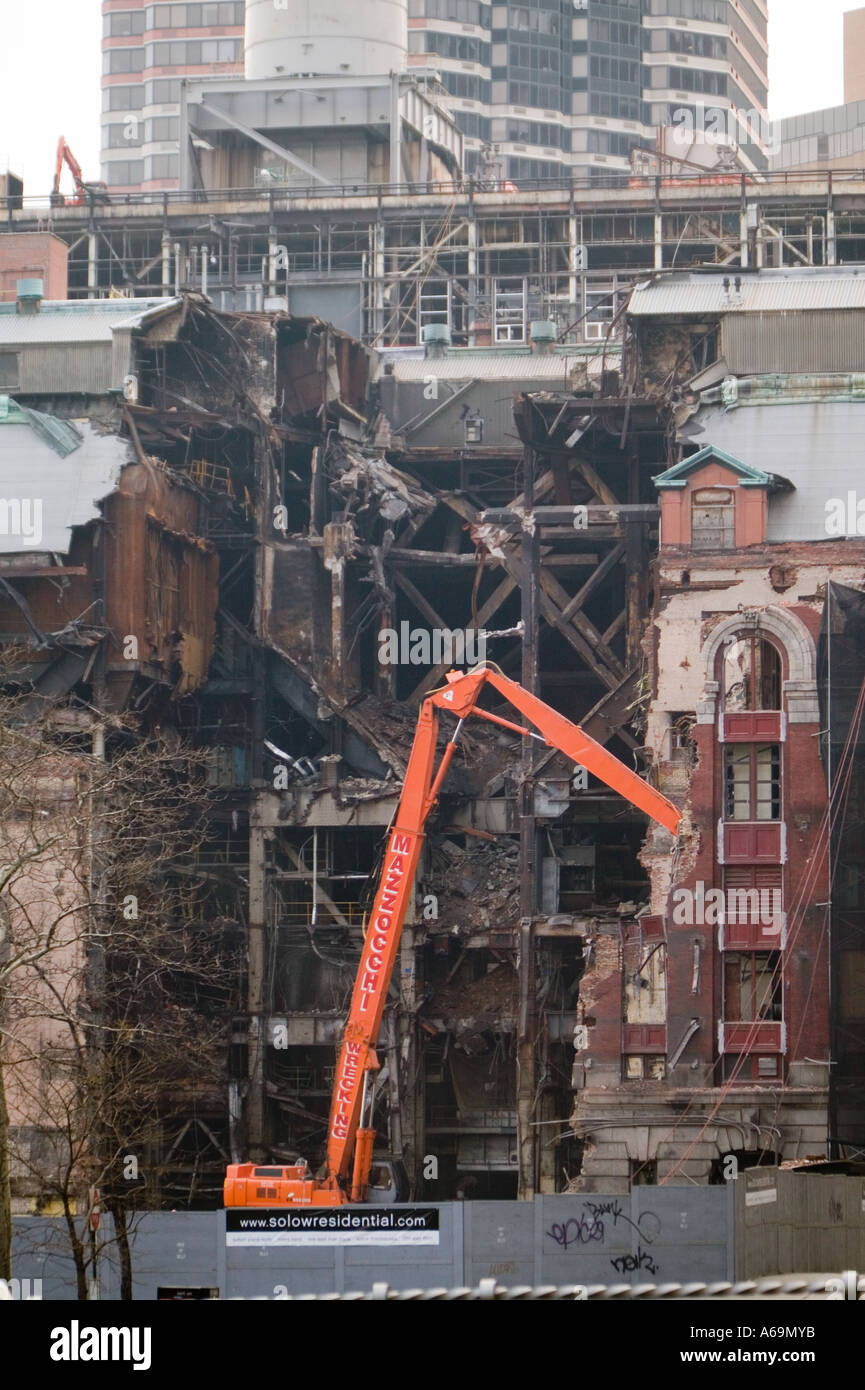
(332, 1226)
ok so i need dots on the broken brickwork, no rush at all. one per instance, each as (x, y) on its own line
(292, 499)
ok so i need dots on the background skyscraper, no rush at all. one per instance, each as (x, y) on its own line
(554, 86)
(146, 50)
(576, 84)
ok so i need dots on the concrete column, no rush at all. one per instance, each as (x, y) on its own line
(659, 241)
(337, 619)
(831, 241)
(272, 258)
(574, 269)
(378, 283)
(526, 1028)
(472, 267)
(743, 239)
(395, 131)
(166, 263)
(92, 265)
(185, 178)
(257, 1026)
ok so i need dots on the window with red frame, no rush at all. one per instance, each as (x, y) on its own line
(752, 782)
(752, 987)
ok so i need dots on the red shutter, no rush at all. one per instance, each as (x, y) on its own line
(753, 842)
(645, 929)
(753, 1037)
(752, 726)
(645, 1037)
(754, 922)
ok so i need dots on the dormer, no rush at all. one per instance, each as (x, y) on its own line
(710, 501)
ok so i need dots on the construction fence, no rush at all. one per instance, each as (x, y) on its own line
(767, 1221)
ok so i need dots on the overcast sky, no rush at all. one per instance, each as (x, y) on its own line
(50, 68)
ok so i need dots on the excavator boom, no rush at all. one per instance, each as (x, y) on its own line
(84, 192)
(357, 1061)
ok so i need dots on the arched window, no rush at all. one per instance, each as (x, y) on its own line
(750, 674)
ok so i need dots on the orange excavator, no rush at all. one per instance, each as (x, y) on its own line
(248, 1185)
(86, 194)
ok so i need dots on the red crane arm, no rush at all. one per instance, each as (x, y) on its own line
(64, 154)
(559, 732)
(382, 940)
(420, 792)
(58, 167)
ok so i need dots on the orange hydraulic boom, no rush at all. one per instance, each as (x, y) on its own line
(349, 1129)
(85, 193)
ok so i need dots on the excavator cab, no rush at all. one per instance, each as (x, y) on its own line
(292, 1184)
(275, 1185)
(388, 1181)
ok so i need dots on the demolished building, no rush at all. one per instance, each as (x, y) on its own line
(261, 503)
(733, 982)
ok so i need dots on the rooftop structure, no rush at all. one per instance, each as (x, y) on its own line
(537, 91)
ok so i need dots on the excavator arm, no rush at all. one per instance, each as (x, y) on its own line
(65, 156)
(84, 192)
(356, 1059)
(349, 1128)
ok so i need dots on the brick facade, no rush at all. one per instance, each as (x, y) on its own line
(33, 255)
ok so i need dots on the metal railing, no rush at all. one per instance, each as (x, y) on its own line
(287, 195)
(299, 914)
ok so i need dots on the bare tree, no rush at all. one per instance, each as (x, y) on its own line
(114, 994)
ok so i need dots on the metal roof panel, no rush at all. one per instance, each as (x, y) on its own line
(77, 321)
(768, 292)
(555, 368)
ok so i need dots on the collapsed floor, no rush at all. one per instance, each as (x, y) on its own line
(302, 537)
(276, 547)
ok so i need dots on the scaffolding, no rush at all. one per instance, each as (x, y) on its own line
(385, 262)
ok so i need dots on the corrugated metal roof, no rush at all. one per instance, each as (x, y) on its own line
(828, 342)
(58, 369)
(77, 321)
(555, 368)
(767, 292)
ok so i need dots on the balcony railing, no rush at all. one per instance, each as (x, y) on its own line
(275, 196)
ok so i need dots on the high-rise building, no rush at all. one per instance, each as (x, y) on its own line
(146, 50)
(559, 85)
(547, 86)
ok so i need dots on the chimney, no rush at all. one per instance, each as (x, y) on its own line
(437, 337)
(30, 294)
(543, 333)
